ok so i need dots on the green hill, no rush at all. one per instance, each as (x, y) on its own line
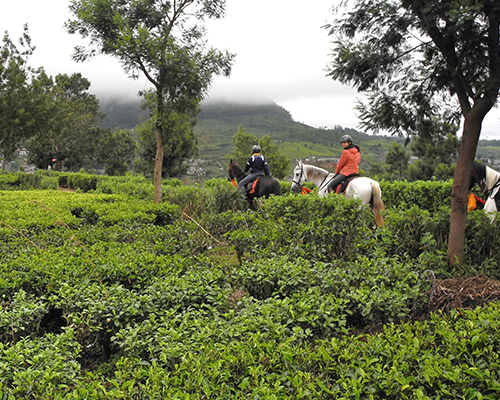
(219, 121)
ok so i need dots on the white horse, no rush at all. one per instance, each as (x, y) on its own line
(489, 181)
(365, 189)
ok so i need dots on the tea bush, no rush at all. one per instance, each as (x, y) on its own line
(426, 195)
(107, 295)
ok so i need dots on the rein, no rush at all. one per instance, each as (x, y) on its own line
(300, 177)
(320, 187)
(492, 192)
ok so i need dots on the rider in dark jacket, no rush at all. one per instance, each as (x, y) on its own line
(257, 166)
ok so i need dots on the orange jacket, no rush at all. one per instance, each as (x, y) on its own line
(349, 161)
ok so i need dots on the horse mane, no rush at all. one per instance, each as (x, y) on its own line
(315, 171)
(236, 169)
(492, 177)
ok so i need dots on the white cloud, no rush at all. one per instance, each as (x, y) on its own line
(281, 56)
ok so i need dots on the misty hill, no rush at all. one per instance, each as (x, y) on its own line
(219, 121)
(122, 114)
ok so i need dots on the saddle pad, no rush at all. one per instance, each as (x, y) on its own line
(252, 189)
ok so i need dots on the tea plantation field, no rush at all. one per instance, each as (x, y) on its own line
(105, 295)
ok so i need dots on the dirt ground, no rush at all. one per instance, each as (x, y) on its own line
(469, 292)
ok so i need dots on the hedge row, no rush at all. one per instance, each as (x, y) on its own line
(427, 195)
(110, 296)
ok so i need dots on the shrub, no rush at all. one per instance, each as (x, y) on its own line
(82, 181)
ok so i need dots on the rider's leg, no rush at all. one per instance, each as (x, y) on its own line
(243, 183)
(335, 181)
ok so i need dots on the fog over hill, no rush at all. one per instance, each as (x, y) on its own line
(220, 120)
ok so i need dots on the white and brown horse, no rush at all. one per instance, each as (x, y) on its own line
(365, 189)
(489, 182)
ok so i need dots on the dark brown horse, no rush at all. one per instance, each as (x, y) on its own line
(266, 185)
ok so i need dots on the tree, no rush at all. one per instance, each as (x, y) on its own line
(116, 151)
(397, 161)
(277, 161)
(162, 40)
(243, 143)
(437, 154)
(18, 98)
(412, 58)
(70, 133)
(181, 144)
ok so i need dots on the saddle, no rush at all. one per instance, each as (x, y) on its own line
(342, 186)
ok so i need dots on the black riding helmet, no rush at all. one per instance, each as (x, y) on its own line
(256, 149)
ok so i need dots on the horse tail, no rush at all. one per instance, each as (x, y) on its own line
(276, 187)
(377, 203)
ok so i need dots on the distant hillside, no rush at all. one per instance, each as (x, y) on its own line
(219, 121)
(122, 114)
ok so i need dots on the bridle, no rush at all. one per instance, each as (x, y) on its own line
(321, 186)
(232, 174)
(493, 190)
(300, 177)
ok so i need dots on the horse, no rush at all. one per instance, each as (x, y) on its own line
(363, 188)
(265, 185)
(488, 181)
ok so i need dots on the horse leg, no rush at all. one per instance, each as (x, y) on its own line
(490, 208)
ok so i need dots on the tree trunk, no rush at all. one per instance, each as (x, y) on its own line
(460, 189)
(158, 164)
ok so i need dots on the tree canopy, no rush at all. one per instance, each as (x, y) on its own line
(418, 62)
(164, 41)
(20, 86)
(243, 143)
(68, 138)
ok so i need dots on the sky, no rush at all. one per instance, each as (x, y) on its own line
(282, 54)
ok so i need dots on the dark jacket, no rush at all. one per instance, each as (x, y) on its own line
(257, 164)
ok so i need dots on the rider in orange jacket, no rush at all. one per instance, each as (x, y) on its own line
(348, 163)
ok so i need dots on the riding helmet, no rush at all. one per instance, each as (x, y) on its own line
(346, 138)
(256, 149)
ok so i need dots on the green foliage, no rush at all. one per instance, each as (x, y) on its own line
(82, 181)
(116, 151)
(427, 195)
(109, 296)
(23, 181)
(437, 154)
(243, 143)
(21, 95)
(39, 367)
(180, 145)
(71, 131)
(397, 161)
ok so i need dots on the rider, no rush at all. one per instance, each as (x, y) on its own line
(348, 163)
(257, 166)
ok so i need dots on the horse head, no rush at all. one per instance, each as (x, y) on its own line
(299, 177)
(478, 176)
(234, 170)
